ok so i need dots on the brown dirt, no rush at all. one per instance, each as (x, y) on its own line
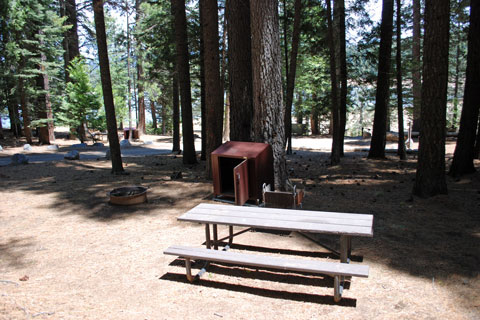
(65, 253)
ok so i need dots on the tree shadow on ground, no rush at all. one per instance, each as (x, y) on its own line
(428, 238)
(81, 187)
(13, 252)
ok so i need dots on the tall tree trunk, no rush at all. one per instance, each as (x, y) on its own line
(14, 118)
(401, 139)
(291, 74)
(377, 144)
(154, 115)
(335, 155)
(269, 111)
(223, 74)
(240, 69)
(203, 108)
(129, 77)
(27, 131)
(140, 89)
(176, 114)
(430, 177)
(339, 16)
(115, 154)
(181, 40)
(285, 45)
(455, 91)
(46, 131)
(416, 66)
(164, 119)
(213, 87)
(465, 148)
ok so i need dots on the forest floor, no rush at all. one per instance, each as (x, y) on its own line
(66, 253)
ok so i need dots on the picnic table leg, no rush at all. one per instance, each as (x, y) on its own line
(345, 248)
(188, 266)
(337, 289)
(215, 237)
(230, 235)
(207, 236)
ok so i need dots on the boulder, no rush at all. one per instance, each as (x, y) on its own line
(125, 143)
(53, 147)
(27, 147)
(72, 155)
(19, 158)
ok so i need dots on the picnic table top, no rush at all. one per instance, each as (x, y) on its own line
(351, 224)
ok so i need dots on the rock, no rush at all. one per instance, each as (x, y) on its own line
(19, 158)
(107, 154)
(98, 144)
(176, 175)
(72, 155)
(27, 147)
(79, 145)
(53, 147)
(125, 143)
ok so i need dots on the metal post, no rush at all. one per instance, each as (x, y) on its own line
(215, 237)
(207, 236)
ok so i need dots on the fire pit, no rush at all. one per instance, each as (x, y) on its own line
(126, 196)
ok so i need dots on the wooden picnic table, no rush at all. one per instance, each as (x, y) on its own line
(346, 225)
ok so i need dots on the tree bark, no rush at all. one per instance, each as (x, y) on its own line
(141, 97)
(465, 148)
(335, 155)
(377, 144)
(240, 69)
(176, 114)
(27, 131)
(153, 110)
(182, 64)
(430, 177)
(455, 90)
(417, 66)
(213, 86)
(46, 132)
(291, 74)
(203, 110)
(401, 139)
(115, 154)
(269, 111)
(339, 15)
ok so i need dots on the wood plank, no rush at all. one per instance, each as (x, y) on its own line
(281, 225)
(299, 265)
(279, 217)
(287, 212)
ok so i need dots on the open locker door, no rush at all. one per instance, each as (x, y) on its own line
(240, 178)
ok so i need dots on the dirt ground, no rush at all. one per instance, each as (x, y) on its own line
(66, 253)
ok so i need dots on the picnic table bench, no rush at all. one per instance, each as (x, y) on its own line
(346, 225)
